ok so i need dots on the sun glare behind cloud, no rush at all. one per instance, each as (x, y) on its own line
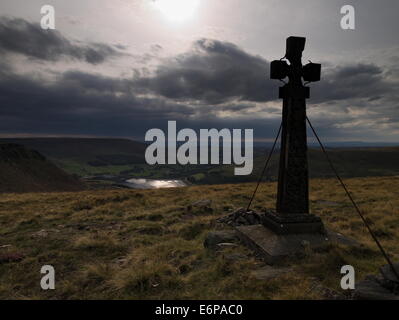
(177, 10)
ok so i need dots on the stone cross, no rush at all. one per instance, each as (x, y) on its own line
(290, 229)
(292, 208)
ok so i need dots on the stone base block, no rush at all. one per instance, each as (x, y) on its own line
(273, 247)
(292, 223)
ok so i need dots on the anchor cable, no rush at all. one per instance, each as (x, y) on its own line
(264, 168)
(354, 203)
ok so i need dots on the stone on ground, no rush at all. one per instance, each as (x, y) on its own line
(241, 217)
(372, 289)
(203, 206)
(214, 238)
(384, 286)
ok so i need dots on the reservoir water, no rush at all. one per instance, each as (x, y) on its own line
(153, 184)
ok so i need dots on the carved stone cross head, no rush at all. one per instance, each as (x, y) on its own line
(280, 69)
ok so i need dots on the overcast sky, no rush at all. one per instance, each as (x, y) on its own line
(122, 67)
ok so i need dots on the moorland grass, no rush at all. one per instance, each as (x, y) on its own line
(146, 244)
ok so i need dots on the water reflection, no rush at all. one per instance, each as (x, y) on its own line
(154, 184)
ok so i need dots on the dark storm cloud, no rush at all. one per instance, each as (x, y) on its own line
(216, 72)
(82, 103)
(192, 88)
(96, 82)
(29, 39)
(77, 103)
(364, 81)
(213, 72)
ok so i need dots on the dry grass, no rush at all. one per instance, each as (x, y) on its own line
(132, 244)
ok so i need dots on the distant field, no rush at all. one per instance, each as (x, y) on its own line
(122, 157)
(128, 244)
(350, 162)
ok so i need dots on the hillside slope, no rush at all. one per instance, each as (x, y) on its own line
(24, 170)
(104, 151)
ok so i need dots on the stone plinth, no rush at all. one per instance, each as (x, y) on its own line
(292, 223)
(273, 247)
